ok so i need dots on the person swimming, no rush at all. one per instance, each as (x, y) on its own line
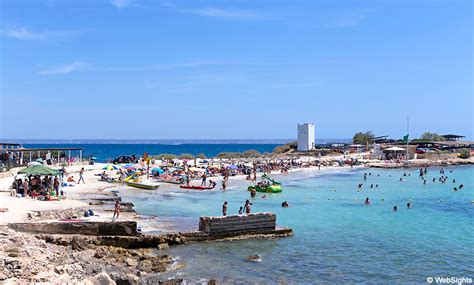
(371, 185)
(367, 201)
(408, 205)
(395, 208)
(461, 186)
(285, 204)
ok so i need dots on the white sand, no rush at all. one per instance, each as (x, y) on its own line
(19, 207)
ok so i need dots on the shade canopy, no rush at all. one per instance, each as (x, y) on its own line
(395, 148)
(197, 169)
(110, 167)
(39, 170)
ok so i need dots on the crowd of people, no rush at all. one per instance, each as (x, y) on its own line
(34, 187)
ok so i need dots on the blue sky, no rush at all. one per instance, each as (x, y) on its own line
(234, 69)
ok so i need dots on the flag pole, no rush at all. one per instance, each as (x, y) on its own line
(408, 133)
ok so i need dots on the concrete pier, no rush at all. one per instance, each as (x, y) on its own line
(122, 228)
(259, 223)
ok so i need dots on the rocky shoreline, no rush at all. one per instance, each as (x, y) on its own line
(66, 259)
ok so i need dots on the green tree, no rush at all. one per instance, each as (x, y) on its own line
(363, 138)
(427, 136)
(464, 153)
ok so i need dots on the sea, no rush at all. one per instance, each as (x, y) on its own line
(107, 150)
(337, 238)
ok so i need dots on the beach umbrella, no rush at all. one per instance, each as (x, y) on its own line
(110, 167)
(197, 169)
(39, 170)
(157, 170)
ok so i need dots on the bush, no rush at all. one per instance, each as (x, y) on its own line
(286, 147)
(266, 154)
(186, 156)
(464, 153)
(251, 153)
(229, 155)
(201, 156)
(166, 156)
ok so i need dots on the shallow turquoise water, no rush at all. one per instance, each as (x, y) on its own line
(337, 238)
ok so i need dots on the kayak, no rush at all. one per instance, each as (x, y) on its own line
(267, 189)
(196, 187)
(148, 186)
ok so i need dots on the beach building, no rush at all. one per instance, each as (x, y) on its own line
(305, 137)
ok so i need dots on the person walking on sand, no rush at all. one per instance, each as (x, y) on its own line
(224, 209)
(81, 176)
(116, 210)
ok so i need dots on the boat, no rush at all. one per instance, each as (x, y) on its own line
(195, 187)
(143, 185)
(267, 186)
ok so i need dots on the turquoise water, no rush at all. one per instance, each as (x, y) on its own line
(337, 238)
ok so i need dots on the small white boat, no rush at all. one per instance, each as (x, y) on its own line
(148, 185)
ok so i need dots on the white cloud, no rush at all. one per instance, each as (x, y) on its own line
(26, 34)
(227, 14)
(121, 3)
(349, 19)
(23, 34)
(64, 69)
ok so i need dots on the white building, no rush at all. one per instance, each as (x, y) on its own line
(305, 137)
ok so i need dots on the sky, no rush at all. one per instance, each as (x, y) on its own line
(250, 69)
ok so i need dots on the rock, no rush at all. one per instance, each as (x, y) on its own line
(100, 253)
(100, 279)
(131, 262)
(254, 258)
(162, 246)
(176, 281)
(3, 276)
(78, 244)
(129, 279)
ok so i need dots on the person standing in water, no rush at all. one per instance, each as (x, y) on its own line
(247, 207)
(224, 209)
(367, 201)
(81, 176)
